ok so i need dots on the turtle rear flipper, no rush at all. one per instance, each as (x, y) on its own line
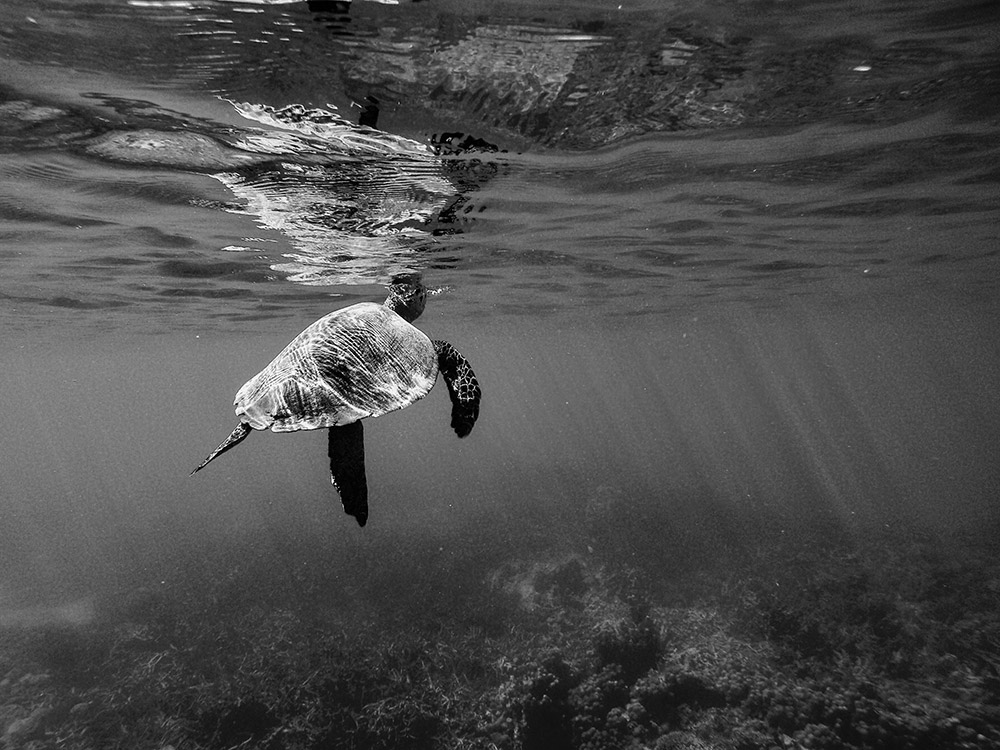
(235, 437)
(347, 469)
(462, 387)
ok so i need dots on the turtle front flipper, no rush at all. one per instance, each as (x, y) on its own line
(236, 436)
(347, 469)
(462, 387)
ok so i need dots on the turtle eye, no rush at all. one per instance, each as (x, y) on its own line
(416, 298)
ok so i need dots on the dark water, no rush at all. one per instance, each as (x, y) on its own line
(728, 274)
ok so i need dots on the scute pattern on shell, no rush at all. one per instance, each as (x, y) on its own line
(360, 361)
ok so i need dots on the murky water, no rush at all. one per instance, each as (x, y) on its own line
(727, 273)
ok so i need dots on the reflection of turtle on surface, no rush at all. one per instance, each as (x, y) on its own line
(361, 361)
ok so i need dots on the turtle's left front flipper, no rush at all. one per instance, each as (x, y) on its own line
(462, 387)
(347, 469)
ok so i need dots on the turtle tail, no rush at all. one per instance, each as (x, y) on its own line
(462, 387)
(236, 436)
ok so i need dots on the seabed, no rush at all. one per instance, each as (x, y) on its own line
(887, 644)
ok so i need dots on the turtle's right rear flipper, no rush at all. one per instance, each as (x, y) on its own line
(347, 469)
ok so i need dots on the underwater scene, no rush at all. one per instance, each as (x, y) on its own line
(651, 348)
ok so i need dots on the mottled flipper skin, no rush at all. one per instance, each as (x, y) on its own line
(462, 387)
(347, 469)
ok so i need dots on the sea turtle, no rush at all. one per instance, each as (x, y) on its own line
(361, 361)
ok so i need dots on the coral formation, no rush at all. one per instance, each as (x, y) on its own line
(890, 646)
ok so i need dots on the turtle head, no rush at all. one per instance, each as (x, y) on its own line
(407, 297)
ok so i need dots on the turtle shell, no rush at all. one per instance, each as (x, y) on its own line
(359, 361)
